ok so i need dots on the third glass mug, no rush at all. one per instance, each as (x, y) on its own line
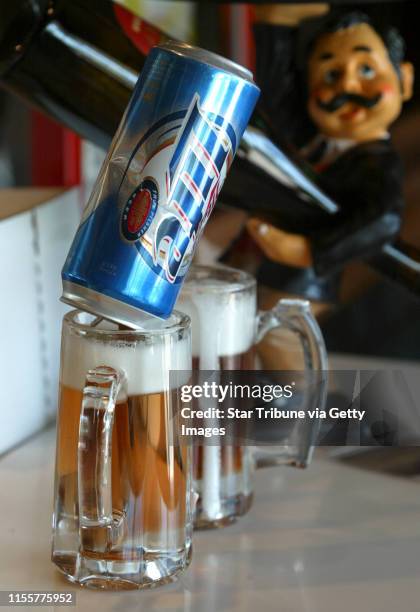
(222, 305)
(122, 514)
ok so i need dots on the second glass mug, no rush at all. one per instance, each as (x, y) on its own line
(123, 495)
(222, 305)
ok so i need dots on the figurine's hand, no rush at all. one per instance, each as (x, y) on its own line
(289, 14)
(279, 246)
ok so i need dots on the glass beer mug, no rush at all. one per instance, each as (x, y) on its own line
(222, 305)
(123, 515)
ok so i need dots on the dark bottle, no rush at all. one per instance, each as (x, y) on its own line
(74, 60)
(78, 61)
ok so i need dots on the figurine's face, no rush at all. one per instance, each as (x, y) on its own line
(354, 90)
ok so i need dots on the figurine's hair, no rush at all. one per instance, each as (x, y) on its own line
(392, 39)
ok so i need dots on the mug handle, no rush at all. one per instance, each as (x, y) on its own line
(296, 316)
(98, 526)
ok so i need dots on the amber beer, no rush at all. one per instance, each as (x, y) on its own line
(148, 480)
(235, 460)
(149, 484)
(222, 308)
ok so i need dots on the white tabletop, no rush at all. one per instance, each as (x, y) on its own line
(327, 539)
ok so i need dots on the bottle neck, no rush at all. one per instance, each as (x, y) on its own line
(80, 66)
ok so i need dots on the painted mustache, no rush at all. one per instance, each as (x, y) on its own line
(341, 99)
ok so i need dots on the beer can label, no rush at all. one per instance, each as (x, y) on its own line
(160, 180)
(187, 161)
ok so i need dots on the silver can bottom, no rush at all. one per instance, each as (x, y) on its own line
(104, 306)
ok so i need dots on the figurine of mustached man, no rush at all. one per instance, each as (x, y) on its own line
(338, 115)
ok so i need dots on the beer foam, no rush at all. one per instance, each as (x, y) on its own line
(146, 365)
(223, 319)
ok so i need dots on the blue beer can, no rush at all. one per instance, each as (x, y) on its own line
(158, 184)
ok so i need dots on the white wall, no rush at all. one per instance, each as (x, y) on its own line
(33, 247)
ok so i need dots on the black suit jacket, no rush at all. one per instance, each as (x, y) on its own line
(366, 181)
